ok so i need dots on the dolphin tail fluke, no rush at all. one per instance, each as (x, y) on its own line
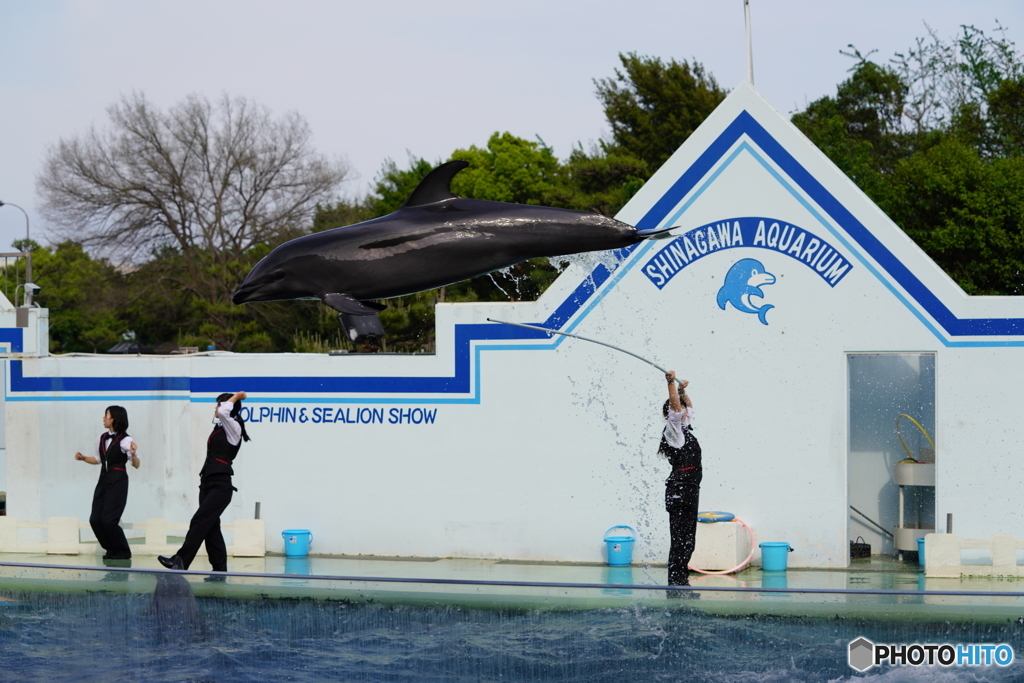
(343, 303)
(723, 298)
(656, 233)
(762, 312)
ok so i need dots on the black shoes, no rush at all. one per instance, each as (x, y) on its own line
(172, 562)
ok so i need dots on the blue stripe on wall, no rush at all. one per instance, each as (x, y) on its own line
(15, 336)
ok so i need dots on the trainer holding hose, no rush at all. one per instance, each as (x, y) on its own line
(682, 488)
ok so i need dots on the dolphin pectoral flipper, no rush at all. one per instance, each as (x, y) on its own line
(343, 303)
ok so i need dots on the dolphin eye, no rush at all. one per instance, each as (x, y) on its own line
(755, 272)
(275, 275)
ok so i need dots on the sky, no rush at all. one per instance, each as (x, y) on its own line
(385, 79)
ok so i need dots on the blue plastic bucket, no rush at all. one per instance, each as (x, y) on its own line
(620, 548)
(920, 551)
(297, 542)
(774, 556)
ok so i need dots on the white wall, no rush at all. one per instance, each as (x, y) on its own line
(550, 442)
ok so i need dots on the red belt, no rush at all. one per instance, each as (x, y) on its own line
(223, 461)
(120, 469)
(683, 469)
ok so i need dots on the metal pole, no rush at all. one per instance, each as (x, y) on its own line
(576, 336)
(750, 48)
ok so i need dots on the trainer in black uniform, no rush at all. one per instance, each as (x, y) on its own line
(682, 488)
(214, 487)
(108, 501)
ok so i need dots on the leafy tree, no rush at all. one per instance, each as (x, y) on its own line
(601, 180)
(966, 212)
(85, 294)
(393, 185)
(935, 140)
(508, 169)
(210, 181)
(653, 106)
(945, 77)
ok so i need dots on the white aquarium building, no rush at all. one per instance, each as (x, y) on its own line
(806, 321)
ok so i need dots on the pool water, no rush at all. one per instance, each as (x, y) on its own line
(170, 635)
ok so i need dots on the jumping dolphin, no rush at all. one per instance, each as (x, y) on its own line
(435, 239)
(744, 280)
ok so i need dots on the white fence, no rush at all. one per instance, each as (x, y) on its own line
(63, 537)
(943, 555)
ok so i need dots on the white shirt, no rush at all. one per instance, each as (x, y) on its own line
(232, 430)
(126, 447)
(674, 424)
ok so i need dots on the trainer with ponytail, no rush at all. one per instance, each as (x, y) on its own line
(215, 487)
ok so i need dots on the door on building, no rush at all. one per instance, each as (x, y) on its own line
(883, 386)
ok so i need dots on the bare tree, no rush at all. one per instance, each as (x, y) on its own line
(210, 181)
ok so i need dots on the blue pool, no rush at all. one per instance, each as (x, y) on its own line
(97, 625)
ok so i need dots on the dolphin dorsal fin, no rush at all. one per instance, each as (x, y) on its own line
(436, 186)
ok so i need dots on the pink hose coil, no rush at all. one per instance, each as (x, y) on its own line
(753, 544)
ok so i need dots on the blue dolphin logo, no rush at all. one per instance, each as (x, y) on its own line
(744, 280)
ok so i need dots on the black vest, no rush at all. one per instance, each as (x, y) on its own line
(111, 455)
(219, 454)
(685, 461)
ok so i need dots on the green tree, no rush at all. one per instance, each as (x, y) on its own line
(966, 212)
(508, 169)
(653, 106)
(601, 180)
(85, 297)
(935, 140)
(393, 185)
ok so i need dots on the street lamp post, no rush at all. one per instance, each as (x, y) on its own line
(28, 253)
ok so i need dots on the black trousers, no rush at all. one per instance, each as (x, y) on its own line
(681, 502)
(214, 498)
(108, 503)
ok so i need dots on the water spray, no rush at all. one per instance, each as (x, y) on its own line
(576, 336)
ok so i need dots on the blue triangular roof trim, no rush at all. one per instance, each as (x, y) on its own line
(465, 382)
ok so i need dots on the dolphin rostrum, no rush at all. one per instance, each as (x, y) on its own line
(435, 239)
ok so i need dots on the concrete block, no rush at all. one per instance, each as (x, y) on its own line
(8, 534)
(942, 555)
(250, 538)
(720, 545)
(62, 536)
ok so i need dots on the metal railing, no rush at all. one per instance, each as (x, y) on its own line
(27, 286)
